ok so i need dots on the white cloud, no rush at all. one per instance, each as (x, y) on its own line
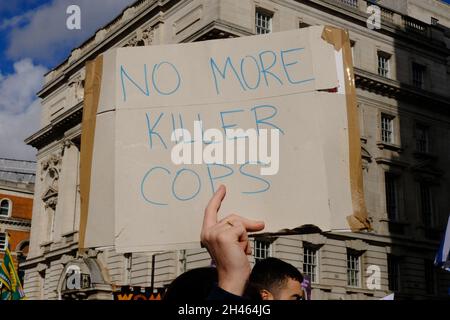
(14, 129)
(15, 21)
(39, 35)
(18, 90)
(45, 34)
(19, 109)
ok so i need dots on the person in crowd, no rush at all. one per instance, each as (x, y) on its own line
(192, 286)
(228, 244)
(274, 279)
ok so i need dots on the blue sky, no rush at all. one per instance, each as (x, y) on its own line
(33, 40)
(42, 25)
(9, 10)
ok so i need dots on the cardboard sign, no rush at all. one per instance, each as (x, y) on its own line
(145, 184)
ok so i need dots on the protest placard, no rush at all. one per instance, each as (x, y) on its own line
(273, 117)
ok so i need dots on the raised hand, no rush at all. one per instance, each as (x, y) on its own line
(227, 243)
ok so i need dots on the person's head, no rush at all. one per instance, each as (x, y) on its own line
(274, 279)
(192, 286)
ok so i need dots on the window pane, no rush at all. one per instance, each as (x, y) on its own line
(383, 65)
(353, 271)
(391, 182)
(426, 202)
(263, 23)
(387, 129)
(262, 250)
(393, 273)
(418, 73)
(4, 208)
(310, 263)
(422, 139)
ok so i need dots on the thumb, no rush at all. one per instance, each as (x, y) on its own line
(253, 225)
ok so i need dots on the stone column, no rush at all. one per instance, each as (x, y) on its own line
(67, 202)
(36, 235)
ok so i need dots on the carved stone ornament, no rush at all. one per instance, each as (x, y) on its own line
(68, 143)
(53, 161)
(143, 37)
(51, 202)
(79, 89)
(132, 42)
(50, 177)
(76, 89)
(147, 35)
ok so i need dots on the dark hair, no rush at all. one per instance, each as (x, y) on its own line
(270, 274)
(192, 286)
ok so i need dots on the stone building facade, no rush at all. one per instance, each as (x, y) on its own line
(402, 75)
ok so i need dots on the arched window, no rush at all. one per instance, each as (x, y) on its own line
(5, 207)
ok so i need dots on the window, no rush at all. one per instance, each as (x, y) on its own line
(383, 64)
(422, 138)
(430, 281)
(5, 207)
(263, 22)
(418, 73)
(391, 186)
(3, 241)
(353, 268)
(262, 249)
(393, 273)
(426, 204)
(310, 262)
(387, 128)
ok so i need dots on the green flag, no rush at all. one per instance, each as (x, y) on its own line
(11, 288)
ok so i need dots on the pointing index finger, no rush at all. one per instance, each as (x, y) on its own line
(213, 207)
